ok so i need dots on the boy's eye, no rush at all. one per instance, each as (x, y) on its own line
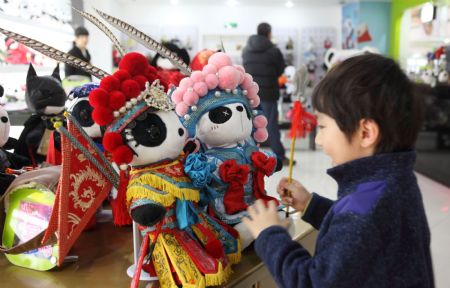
(321, 126)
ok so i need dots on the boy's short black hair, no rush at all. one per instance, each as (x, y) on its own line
(81, 31)
(264, 29)
(371, 86)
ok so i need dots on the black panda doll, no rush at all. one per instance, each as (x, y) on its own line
(45, 98)
(7, 159)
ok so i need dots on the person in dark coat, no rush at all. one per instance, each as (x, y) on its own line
(80, 51)
(264, 61)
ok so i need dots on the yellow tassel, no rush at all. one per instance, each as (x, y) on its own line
(159, 183)
(139, 192)
(220, 277)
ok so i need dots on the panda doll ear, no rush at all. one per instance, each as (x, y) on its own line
(55, 73)
(1, 91)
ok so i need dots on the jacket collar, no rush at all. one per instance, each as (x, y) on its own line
(374, 168)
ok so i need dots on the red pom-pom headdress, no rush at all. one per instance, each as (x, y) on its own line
(120, 98)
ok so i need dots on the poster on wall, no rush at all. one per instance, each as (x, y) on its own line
(350, 19)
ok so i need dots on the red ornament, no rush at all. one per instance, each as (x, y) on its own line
(102, 116)
(112, 140)
(122, 155)
(122, 75)
(134, 63)
(98, 97)
(141, 80)
(116, 99)
(110, 83)
(130, 88)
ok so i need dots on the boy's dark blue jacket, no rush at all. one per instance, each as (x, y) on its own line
(375, 235)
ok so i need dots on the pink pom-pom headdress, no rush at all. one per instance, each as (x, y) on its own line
(218, 83)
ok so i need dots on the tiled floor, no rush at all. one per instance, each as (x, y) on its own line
(311, 172)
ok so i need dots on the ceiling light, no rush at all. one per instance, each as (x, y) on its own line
(289, 4)
(174, 2)
(232, 3)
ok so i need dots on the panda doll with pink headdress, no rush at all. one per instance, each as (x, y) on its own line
(217, 107)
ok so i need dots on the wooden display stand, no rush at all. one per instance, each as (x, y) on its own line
(105, 253)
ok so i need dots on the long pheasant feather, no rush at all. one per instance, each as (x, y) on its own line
(147, 41)
(94, 20)
(55, 54)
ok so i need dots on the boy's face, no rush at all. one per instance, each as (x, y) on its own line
(336, 144)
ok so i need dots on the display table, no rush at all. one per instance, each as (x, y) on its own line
(106, 252)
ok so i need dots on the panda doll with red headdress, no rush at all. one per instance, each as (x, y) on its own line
(145, 139)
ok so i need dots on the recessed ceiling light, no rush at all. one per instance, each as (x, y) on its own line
(232, 3)
(289, 4)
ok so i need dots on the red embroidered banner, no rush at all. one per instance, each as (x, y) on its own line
(82, 189)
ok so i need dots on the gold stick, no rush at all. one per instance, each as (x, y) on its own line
(291, 166)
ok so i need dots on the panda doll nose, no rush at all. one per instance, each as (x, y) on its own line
(181, 132)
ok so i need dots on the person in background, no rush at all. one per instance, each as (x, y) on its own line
(264, 61)
(80, 51)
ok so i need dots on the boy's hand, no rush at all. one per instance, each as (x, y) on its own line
(298, 196)
(262, 217)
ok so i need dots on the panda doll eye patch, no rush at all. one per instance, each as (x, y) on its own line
(82, 111)
(4, 119)
(220, 115)
(149, 131)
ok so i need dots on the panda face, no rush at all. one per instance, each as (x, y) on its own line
(4, 126)
(443, 77)
(155, 136)
(164, 63)
(225, 126)
(81, 110)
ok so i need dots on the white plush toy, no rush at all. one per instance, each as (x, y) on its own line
(217, 106)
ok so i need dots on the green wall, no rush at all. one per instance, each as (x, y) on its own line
(397, 9)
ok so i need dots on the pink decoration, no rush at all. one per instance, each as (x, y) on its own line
(240, 68)
(190, 98)
(247, 83)
(209, 69)
(220, 60)
(201, 88)
(255, 102)
(253, 90)
(261, 135)
(211, 81)
(260, 121)
(197, 76)
(186, 83)
(181, 109)
(251, 94)
(177, 96)
(228, 77)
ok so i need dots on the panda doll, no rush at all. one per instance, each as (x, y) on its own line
(216, 105)
(7, 159)
(145, 139)
(166, 69)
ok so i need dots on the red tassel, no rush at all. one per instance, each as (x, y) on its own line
(120, 211)
(213, 246)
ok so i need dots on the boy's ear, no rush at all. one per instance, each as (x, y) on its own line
(369, 133)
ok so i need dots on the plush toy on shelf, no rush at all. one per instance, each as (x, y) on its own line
(45, 98)
(187, 246)
(216, 106)
(166, 69)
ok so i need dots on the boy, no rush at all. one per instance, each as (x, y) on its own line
(376, 233)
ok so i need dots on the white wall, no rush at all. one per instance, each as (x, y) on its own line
(209, 19)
